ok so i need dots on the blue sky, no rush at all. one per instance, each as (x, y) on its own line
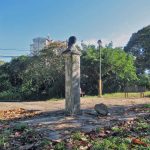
(89, 20)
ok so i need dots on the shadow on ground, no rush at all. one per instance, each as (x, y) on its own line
(55, 123)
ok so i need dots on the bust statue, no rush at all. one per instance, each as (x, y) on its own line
(72, 49)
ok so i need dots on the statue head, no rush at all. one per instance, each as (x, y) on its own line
(72, 41)
(71, 48)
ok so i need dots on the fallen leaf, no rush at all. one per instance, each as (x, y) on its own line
(138, 142)
(16, 113)
(17, 134)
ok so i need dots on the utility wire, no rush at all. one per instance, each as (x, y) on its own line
(11, 56)
(8, 56)
(5, 49)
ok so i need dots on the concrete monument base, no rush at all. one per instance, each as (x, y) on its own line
(72, 81)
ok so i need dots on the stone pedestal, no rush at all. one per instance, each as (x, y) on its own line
(72, 81)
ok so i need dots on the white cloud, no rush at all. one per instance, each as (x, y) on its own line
(121, 40)
(94, 42)
(118, 41)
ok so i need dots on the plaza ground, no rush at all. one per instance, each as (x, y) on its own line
(86, 103)
(128, 120)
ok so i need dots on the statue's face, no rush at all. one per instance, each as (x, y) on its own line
(72, 40)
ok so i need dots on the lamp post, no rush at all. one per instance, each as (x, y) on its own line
(99, 42)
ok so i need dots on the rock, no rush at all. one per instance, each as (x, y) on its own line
(107, 132)
(101, 109)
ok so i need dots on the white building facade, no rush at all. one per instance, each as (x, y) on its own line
(38, 44)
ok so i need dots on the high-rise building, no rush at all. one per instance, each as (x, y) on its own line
(38, 44)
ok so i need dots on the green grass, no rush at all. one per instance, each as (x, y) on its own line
(20, 127)
(60, 146)
(111, 143)
(55, 99)
(77, 136)
(109, 96)
(121, 95)
(4, 134)
(147, 105)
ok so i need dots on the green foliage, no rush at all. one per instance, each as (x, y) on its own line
(98, 129)
(142, 126)
(139, 46)
(36, 77)
(117, 129)
(111, 143)
(147, 105)
(144, 80)
(4, 138)
(60, 146)
(10, 95)
(77, 136)
(117, 69)
(43, 76)
(20, 127)
(45, 142)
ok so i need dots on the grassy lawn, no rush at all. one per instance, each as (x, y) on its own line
(111, 95)
(121, 95)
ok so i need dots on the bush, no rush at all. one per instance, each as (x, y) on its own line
(10, 95)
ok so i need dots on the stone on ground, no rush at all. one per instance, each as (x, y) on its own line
(101, 109)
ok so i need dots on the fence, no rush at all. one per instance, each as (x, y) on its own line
(134, 89)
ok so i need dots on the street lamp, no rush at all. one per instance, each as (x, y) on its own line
(99, 42)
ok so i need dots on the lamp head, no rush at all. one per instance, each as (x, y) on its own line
(99, 42)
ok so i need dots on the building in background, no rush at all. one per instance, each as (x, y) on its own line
(38, 44)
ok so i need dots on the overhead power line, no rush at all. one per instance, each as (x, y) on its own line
(5, 49)
(8, 56)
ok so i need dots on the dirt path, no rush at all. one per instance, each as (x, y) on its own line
(59, 105)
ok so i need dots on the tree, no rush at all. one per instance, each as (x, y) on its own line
(44, 76)
(144, 80)
(139, 46)
(117, 69)
(36, 77)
